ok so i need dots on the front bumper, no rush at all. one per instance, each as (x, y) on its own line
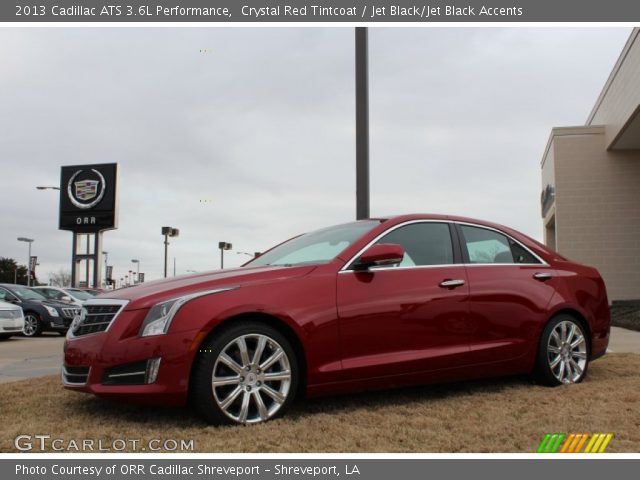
(11, 325)
(600, 343)
(97, 356)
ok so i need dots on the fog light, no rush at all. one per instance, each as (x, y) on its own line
(153, 366)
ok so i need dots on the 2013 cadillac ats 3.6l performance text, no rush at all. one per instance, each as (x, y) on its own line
(371, 304)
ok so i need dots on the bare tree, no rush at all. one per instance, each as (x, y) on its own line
(61, 278)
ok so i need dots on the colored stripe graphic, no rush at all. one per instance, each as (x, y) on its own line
(551, 442)
(591, 442)
(567, 445)
(605, 442)
(574, 442)
(581, 443)
(543, 443)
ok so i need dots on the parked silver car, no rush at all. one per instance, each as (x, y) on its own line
(71, 295)
(11, 320)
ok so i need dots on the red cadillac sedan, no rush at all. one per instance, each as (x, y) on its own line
(372, 304)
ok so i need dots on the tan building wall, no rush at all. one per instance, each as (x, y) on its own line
(618, 103)
(596, 213)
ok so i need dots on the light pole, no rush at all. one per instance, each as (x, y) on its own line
(137, 262)
(223, 246)
(168, 232)
(106, 257)
(362, 123)
(29, 241)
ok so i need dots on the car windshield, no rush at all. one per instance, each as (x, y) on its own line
(320, 246)
(26, 293)
(80, 294)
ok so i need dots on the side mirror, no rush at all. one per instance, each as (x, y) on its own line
(66, 298)
(379, 255)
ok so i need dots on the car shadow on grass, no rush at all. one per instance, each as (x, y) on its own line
(105, 409)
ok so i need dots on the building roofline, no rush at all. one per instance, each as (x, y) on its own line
(616, 68)
(566, 131)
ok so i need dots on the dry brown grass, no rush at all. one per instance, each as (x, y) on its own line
(500, 415)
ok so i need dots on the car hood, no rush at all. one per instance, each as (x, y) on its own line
(49, 303)
(148, 294)
(8, 306)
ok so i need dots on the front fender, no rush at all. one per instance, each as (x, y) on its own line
(306, 305)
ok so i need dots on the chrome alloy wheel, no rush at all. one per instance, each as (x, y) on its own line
(567, 352)
(251, 378)
(30, 325)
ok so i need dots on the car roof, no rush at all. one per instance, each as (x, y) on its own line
(438, 216)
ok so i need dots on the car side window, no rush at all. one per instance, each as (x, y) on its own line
(489, 246)
(486, 246)
(52, 294)
(520, 254)
(427, 243)
(3, 294)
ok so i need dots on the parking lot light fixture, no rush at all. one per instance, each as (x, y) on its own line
(137, 262)
(223, 246)
(168, 232)
(29, 241)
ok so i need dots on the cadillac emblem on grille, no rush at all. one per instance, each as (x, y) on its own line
(78, 319)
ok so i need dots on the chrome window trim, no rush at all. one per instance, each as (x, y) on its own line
(101, 301)
(347, 267)
(542, 262)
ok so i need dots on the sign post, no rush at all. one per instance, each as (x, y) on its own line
(88, 207)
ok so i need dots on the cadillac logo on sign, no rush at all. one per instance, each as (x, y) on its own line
(86, 188)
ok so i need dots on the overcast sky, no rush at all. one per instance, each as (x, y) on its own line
(247, 135)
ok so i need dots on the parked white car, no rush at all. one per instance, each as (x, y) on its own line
(71, 295)
(11, 320)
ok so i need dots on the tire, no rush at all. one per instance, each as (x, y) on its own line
(32, 325)
(562, 360)
(254, 390)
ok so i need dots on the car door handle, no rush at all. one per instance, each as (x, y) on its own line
(451, 284)
(542, 276)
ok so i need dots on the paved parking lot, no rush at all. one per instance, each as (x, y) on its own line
(22, 358)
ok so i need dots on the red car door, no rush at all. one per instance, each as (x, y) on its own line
(510, 289)
(407, 318)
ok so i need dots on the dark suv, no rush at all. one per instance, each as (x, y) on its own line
(40, 314)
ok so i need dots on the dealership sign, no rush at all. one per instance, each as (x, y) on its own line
(88, 197)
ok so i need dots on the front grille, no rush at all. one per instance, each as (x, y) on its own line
(75, 375)
(97, 319)
(70, 312)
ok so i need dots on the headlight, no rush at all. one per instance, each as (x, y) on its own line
(52, 311)
(158, 320)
